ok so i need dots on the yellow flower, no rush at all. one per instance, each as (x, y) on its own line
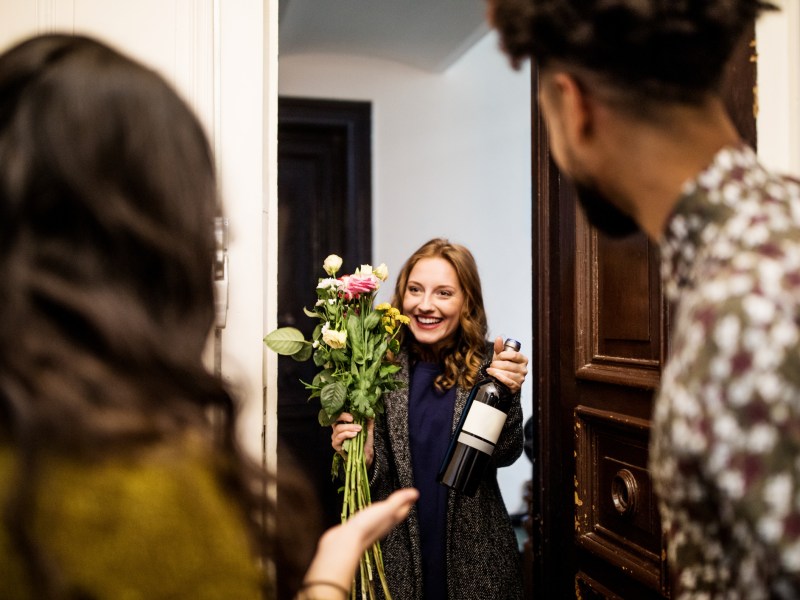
(383, 306)
(404, 319)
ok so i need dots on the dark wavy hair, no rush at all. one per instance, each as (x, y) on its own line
(462, 357)
(107, 202)
(658, 50)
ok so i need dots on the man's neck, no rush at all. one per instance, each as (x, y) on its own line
(653, 161)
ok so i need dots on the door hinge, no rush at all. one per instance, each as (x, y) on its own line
(220, 272)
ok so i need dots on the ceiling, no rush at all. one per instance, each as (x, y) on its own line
(426, 34)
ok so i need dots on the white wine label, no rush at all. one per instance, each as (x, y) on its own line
(484, 421)
(477, 443)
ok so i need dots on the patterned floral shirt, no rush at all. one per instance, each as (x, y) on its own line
(725, 452)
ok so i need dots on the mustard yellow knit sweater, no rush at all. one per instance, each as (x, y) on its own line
(152, 526)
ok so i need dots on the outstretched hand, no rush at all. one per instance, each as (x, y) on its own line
(509, 367)
(341, 547)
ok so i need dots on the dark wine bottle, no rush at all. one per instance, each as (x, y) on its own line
(477, 432)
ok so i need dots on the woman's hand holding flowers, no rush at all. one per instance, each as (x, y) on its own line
(345, 429)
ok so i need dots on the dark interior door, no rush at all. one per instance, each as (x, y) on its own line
(602, 330)
(324, 207)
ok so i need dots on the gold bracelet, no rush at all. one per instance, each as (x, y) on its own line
(331, 584)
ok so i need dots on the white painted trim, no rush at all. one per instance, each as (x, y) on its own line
(195, 60)
(240, 152)
(217, 103)
(778, 91)
(270, 216)
(45, 16)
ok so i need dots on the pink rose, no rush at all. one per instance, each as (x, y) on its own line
(355, 285)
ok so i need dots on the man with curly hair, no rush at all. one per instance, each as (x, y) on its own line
(630, 94)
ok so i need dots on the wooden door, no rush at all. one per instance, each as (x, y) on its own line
(324, 207)
(602, 325)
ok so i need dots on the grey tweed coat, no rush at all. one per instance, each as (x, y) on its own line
(482, 553)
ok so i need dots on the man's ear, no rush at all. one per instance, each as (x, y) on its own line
(577, 110)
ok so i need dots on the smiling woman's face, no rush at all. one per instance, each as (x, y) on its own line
(432, 300)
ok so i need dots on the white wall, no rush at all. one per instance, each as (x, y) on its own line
(452, 158)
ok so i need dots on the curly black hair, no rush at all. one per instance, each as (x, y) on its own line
(659, 49)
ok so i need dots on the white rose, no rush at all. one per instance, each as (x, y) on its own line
(334, 339)
(381, 272)
(330, 282)
(332, 264)
(364, 270)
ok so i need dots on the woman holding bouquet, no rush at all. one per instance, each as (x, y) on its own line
(451, 546)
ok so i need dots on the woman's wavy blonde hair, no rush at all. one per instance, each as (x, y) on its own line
(463, 356)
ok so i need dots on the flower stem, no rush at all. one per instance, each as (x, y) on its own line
(357, 496)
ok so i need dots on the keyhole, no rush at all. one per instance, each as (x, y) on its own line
(624, 492)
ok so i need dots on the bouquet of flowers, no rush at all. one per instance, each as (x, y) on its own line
(350, 345)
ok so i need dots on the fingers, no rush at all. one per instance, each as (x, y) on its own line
(512, 382)
(342, 430)
(369, 446)
(340, 547)
(376, 520)
(508, 366)
(498, 345)
(510, 356)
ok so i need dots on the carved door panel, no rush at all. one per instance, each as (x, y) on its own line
(620, 321)
(602, 328)
(604, 325)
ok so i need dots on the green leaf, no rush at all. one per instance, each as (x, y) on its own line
(369, 349)
(332, 398)
(382, 348)
(366, 381)
(324, 419)
(286, 341)
(373, 319)
(336, 467)
(310, 313)
(321, 355)
(388, 369)
(304, 353)
(356, 337)
(322, 378)
(361, 401)
(339, 356)
(372, 371)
